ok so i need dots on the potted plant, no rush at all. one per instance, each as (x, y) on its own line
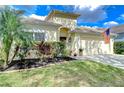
(80, 51)
(75, 54)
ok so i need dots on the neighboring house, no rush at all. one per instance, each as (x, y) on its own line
(119, 30)
(62, 26)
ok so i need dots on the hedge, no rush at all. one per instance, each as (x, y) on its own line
(119, 48)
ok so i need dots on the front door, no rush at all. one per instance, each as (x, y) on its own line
(63, 39)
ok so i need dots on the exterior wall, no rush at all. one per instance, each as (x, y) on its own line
(91, 45)
(51, 36)
(51, 33)
(66, 22)
(63, 32)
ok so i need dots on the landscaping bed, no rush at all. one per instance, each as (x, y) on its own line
(34, 63)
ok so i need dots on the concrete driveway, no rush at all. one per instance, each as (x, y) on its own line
(114, 60)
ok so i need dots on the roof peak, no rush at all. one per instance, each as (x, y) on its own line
(63, 14)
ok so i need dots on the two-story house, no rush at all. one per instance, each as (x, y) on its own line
(62, 26)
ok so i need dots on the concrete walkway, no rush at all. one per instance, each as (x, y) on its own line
(114, 60)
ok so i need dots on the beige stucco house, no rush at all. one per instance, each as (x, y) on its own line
(62, 26)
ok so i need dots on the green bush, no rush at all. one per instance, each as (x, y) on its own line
(53, 48)
(66, 52)
(59, 49)
(119, 48)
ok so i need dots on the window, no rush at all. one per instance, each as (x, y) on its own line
(39, 36)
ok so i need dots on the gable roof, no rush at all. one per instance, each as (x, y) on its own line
(57, 13)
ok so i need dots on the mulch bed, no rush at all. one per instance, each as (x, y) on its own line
(34, 63)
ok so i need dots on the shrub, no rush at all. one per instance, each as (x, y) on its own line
(44, 48)
(66, 52)
(51, 49)
(22, 52)
(59, 49)
(119, 48)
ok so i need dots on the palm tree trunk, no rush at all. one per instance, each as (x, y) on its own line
(15, 52)
(8, 49)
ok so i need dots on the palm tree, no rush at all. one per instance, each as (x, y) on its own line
(12, 32)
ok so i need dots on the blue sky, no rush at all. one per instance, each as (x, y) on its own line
(91, 15)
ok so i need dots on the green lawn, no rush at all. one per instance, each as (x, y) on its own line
(68, 74)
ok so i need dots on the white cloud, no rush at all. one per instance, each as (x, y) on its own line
(121, 17)
(95, 27)
(37, 17)
(110, 24)
(29, 9)
(90, 7)
(90, 13)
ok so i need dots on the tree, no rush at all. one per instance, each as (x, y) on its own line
(12, 32)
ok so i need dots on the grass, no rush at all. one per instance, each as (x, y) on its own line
(68, 74)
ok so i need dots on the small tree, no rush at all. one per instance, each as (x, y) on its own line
(11, 32)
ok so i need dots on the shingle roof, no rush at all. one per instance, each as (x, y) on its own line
(87, 30)
(33, 21)
(90, 30)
